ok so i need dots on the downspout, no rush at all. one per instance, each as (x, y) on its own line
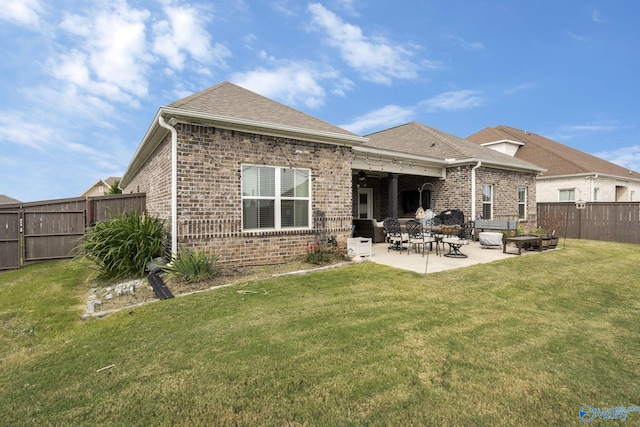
(174, 181)
(592, 187)
(473, 190)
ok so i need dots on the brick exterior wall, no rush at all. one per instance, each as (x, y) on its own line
(210, 200)
(505, 192)
(154, 179)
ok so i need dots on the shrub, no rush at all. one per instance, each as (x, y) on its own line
(192, 266)
(124, 245)
(318, 253)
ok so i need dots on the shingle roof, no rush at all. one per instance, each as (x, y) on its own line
(229, 100)
(557, 158)
(418, 139)
(5, 200)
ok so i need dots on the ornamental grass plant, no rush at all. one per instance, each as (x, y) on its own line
(192, 265)
(123, 246)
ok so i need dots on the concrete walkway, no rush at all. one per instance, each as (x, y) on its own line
(414, 261)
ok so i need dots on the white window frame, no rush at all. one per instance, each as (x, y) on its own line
(489, 202)
(278, 198)
(571, 194)
(369, 208)
(522, 203)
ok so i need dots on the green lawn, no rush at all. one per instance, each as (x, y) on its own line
(524, 341)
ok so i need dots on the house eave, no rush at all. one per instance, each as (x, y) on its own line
(496, 165)
(502, 141)
(376, 159)
(262, 128)
(155, 134)
(590, 175)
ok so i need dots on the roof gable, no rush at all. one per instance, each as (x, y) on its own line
(229, 100)
(417, 139)
(557, 158)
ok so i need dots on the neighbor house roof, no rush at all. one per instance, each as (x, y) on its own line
(107, 183)
(418, 139)
(558, 159)
(5, 200)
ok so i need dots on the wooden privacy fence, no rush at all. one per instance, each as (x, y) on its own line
(51, 229)
(611, 222)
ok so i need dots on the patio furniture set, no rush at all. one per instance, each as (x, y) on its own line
(416, 236)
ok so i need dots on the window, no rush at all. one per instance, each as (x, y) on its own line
(567, 195)
(275, 198)
(487, 201)
(596, 193)
(522, 202)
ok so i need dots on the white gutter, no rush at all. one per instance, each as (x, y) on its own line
(473, 190)
(174, 181)
(265, 128)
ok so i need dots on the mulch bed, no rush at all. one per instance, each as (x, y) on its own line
(226, 275)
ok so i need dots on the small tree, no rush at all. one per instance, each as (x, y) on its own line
(115, 188)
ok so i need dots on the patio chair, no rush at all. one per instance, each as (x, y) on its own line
(417, 237)
(395, 239)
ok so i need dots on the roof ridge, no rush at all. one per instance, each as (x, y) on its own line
(234, 101)
(199, 94)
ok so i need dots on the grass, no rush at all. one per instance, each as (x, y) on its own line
(523, 341)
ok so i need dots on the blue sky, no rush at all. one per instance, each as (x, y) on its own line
(82, 80)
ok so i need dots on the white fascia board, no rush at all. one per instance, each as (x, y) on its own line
(389, 154)
(262, 128)
(502, 141)
(629, 178)
(496, 165)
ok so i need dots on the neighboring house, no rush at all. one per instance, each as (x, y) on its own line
(101, 187)
(6, 200)
(571, 175)
(451, 173)
(255, 181)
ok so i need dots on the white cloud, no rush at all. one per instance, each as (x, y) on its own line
(577, 37)
(22, 12)
(574, 131)
(292, 83)
(15, 129)
(375, 58)
(628, 157)
(183, 34)
(596, 16)
(453, 101)
(520, 88)
(385, 117)
(111, 58)
(464, 43)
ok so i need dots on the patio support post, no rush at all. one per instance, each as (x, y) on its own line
(393, 195)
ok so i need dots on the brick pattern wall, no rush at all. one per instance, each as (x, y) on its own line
(209, 192)
(455, 192)
(154, 179)
(505, 192)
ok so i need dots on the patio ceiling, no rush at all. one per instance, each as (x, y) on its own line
(376, 160)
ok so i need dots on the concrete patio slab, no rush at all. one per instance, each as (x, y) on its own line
(414, 261)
